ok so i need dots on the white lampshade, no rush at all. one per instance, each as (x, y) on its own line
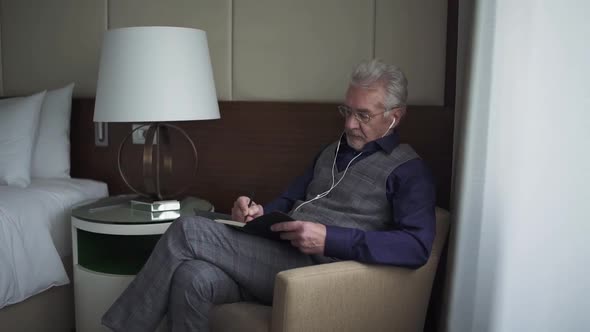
(155, 74)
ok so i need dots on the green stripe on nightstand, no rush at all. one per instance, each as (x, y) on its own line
(114, 254)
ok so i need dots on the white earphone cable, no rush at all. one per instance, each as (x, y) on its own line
(325, 193)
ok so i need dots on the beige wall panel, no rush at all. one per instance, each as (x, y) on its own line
(212, 16)
(412, 35)
(299, 50)
(46, 44)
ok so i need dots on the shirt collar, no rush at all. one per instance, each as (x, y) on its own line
(387, 143)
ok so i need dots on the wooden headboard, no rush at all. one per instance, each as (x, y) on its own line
(258, 146)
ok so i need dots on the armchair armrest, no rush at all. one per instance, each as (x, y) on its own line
(351, 296)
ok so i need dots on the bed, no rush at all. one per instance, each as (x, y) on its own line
(36, 197)
(35, 247)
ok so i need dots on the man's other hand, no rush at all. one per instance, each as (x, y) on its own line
(241, 212)
(309, 237)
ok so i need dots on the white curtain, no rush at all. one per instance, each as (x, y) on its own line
(518, 257)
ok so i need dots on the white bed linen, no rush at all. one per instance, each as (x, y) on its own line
(35, 231)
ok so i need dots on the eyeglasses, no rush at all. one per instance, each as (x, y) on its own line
(364, 117)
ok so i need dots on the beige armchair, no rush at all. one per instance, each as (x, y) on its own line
(342, 296)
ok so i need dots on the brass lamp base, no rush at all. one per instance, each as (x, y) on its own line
(152, 157)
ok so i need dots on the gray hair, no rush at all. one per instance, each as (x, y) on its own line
(368, 74)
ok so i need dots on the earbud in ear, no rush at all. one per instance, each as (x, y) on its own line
(392, 123)
(390, 126)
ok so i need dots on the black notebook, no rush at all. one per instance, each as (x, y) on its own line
(258, 226)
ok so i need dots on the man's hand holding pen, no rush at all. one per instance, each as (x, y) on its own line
(245, 209)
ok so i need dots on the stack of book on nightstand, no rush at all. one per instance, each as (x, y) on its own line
(159, 209)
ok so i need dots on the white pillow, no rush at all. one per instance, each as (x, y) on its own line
(51, 156)
(19, 118)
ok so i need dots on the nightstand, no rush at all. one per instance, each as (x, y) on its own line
(110, 243)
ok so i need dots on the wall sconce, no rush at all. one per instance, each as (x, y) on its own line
(101, 134)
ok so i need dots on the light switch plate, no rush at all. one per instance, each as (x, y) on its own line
(138, 136)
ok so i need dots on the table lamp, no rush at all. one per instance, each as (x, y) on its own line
(154, 75)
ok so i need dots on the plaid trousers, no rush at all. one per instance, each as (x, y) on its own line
(198, 263)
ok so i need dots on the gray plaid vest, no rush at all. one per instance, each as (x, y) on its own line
(359, 200)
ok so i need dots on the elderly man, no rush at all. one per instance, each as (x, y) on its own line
(366, 198)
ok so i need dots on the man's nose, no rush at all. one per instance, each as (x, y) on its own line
(350, 122)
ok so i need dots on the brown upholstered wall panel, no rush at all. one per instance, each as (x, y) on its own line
(259, 146)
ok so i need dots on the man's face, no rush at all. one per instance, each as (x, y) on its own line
(368, 101)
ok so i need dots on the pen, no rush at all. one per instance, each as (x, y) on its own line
(249, 205)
